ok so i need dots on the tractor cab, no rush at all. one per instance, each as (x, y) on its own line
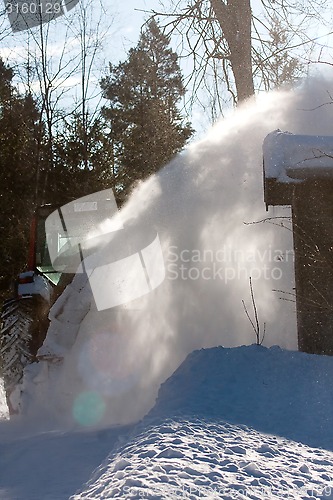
(39, 256)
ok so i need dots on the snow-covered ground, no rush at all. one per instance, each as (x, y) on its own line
(247, 422)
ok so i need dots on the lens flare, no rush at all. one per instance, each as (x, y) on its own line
(88, 408)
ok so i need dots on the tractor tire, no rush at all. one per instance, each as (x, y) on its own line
(15, 339)
(23, 328)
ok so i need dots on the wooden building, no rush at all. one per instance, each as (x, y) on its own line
(298, 171)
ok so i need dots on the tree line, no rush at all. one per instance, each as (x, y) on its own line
(136, 131)
(52, 155)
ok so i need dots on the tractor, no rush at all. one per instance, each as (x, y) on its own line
(24, 316)
(57, 240)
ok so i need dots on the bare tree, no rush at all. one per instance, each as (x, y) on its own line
(91, 31)
(58, 70)
(258, 330)
(239, 47)
(234, 19)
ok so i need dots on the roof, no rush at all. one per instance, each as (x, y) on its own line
(293, 158)
(290, 159)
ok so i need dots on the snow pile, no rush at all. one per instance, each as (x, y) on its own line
(193, 459)
(198, 205)
(223, 427)
(241, 423)
(275, 391)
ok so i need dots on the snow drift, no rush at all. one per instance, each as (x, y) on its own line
(199, 205)
(247, 422)
(223, 426)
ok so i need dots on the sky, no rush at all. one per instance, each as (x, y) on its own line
(124, 21)
(120, 25)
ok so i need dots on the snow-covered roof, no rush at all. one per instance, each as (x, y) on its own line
(290, 158)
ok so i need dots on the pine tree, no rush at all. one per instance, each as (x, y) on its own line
(82, 158)
(143, 93)
(20, 144)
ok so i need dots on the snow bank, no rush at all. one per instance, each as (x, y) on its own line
(195, 459)
(230, 423)
(199, 205)
(247, 422)
(275, 391)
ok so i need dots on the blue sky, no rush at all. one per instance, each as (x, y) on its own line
(125, 20)
(128, 19)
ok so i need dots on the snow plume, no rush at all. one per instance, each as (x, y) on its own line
(199, 205)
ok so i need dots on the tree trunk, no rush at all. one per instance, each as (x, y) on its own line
(235, 19)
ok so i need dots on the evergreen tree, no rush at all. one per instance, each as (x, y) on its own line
(143, 93)
(20, 154)
(82, 158)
